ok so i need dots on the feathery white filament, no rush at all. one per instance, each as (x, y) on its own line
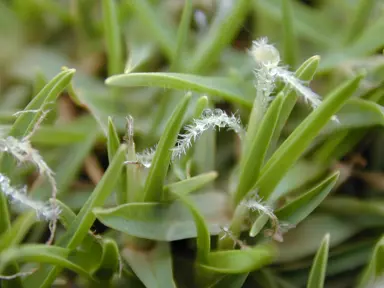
(267, 59)
(19, 196)
(210, 119)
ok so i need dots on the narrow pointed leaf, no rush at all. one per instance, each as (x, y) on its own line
(319, 266)
(153, 189)
(290, 44)
(113, 37)
(292, 148)
(182, 35)
(191, 184)
(222, 87)
(253, 159)
(79, 228)
(374, 272)
(113, 143)
(222, 31)
(298, 209)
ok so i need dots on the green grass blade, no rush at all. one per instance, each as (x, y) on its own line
(152, 267)
(374, 272)
(109, 262)
(153, 189)
(258, 225)
(163, 33)
(66, 216)
(165, 221)
(78, 230)
(190, 185)
(203, 240)
(289, 37)
(113, 144)
(182, 36)
(319, 266)
(26, 121)
(19, 229)
(41, 254)
(240, 261)
(298, 209)
(292, 148)
(359, 20)
(226, 24)
(225, 88)
(112, 37)
(253, 158)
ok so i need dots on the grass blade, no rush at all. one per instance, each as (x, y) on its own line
(226, 24)
(113, 144)
(190, 185)
(217, 86)
(84, 220)
(113, 37)
(289, 37)
(298, 209)
(182, 36)
(153, 189)
(253, 158)
(319, 266)
(292, 148)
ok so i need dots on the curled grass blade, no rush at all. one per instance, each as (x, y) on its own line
(40, 254)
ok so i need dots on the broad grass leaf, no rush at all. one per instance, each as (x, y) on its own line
(164, 221)
(319, 266)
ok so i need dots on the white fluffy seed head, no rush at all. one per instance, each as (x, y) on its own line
(265, 54)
